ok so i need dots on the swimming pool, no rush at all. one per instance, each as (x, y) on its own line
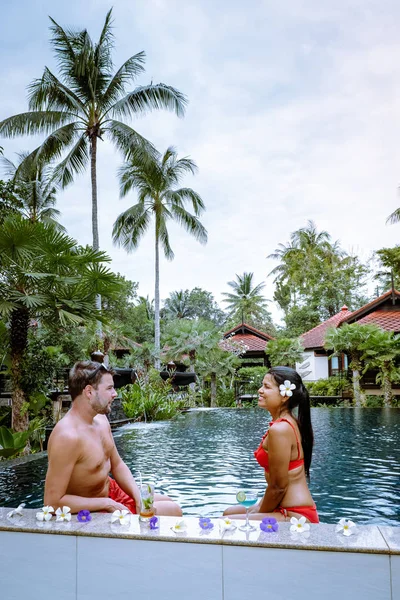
(203, 457)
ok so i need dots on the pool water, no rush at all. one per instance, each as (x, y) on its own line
(203, 457)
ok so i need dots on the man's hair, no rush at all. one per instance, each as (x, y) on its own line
(85, 373)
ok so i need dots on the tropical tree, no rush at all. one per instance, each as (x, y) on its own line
(352, 340)
(83, 106)
(44, 275)
(381, 351)
(155, 182)
(245, 302)
(215, 364)
(37, 191)
(177, 305)
(284, 351)
(191, 338)
(315, 274)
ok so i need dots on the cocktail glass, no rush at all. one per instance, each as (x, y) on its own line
(247, 499)
(146, 502)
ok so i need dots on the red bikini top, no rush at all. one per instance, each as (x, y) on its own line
(261, 455)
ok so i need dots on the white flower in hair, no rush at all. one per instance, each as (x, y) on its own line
(286, 388)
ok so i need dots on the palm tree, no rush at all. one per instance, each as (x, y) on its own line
(83, 105)
(155, 180)
(284, 351)
(177, 306)
(37, 190)
(382, 350)
(352, 340)
(193, 338)
(246, 301)
(45, 275)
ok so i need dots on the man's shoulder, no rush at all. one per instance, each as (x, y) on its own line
(64, 432)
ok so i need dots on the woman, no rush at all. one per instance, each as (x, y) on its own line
(285, 450)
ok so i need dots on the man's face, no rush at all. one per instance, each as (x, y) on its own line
(102, 395)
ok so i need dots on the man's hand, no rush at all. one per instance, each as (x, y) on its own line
(112, 505)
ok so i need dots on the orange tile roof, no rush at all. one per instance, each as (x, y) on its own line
(386, 319)
(315, 337)
(253, 342)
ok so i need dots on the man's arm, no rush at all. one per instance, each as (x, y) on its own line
(124, 477)
(63, 455)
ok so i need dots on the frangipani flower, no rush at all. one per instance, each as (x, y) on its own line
(63, 514)
(205, 523)
(299, 525)
(346, 527)
(16, 511)
(123, 516)
(269, 525)
(180, 526)
(286, 388)
(226, 524)
(45, 514)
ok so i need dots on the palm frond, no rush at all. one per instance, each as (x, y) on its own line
(179, 197)
(31, 123)
(164, 239)
(151, 97)
(74, 163)
(127, 72)
(48, 93)
(189, 222)
(130, 226)
(394, 217)
(133, 146)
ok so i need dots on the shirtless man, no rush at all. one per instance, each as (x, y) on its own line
(82, 452)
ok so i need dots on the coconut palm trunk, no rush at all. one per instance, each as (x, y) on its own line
(213, 378)
(19, 341)
(157, 300)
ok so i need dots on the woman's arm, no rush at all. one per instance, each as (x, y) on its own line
(279, 451)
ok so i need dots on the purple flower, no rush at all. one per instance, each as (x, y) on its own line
(269, 525)
(154, 523)
(205, 523)
(84, 516)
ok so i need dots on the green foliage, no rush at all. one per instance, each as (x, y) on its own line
(332, 386)
(284, 351)
(316, 275)
(247, 302)
(148, 401)
(12, 443)
(226, 398)
(193, 304)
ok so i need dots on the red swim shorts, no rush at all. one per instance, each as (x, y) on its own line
(117, 494)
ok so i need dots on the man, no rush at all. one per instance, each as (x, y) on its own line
(82, 452)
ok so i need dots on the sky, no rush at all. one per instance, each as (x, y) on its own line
(293, 114)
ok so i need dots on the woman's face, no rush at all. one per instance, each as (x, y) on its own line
(269, 396)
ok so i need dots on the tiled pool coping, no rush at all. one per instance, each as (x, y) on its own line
(370, 539)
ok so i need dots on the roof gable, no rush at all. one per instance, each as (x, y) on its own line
(244, 329)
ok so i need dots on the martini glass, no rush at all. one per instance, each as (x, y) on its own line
(247, 499)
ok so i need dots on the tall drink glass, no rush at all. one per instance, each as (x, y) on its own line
(146, 502)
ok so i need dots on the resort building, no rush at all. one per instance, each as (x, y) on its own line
(383, 311)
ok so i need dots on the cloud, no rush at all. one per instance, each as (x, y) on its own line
(293, 115)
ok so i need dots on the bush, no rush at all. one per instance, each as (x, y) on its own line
(149, 402)
(226, 398)
(333, 386)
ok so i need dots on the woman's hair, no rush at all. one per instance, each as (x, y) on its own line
(300, 399)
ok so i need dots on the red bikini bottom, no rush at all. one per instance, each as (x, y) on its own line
(309, 512)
